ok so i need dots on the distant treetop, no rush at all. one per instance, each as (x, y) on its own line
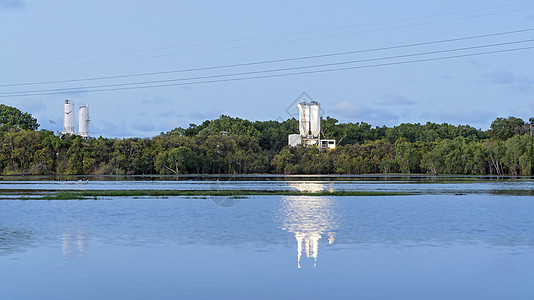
(13, 117)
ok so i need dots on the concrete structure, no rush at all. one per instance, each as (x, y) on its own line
(304, 119)
(83, 121)
(315, 120)
(68, 117)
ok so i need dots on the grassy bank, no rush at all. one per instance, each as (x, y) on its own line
(94, 194)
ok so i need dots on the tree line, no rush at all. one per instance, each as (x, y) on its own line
(230, 145)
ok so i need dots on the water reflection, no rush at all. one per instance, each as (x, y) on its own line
(225, 201)
(13, 240)
(73, 243)
(308, 186)
(308, 219)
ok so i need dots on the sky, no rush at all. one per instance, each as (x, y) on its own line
(146, 67)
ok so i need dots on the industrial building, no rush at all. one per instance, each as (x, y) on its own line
(310, 128)
(83, 119)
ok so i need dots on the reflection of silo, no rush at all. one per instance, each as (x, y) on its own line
(68, 119)
(308, 219)
(304, 119)
(315, 119)
(67, 244)
(83, 121)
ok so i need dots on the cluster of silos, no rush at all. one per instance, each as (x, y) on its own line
(309, 120)
(310, 128)
(83, 119)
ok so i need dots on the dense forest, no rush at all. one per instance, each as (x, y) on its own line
(235, 146)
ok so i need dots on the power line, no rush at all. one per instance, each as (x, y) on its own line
(262, 44)
(288, 34)
(280, 69)
(272, 61)
(265, 76)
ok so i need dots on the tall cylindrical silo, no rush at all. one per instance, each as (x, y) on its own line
(304, 119)
(83, 120)
(315, 119)
(68, 118)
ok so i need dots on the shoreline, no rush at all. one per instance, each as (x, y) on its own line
(95, 194)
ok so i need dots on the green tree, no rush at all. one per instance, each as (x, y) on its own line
(19, 148)
(179, 160)
(503, 129)
(496, 153)
(518, 156)
(406, 156)
(12, 117)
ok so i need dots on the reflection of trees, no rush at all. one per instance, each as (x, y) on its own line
(13, 240)
(308, 218)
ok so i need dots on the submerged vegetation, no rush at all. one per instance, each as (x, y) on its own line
(235, 146)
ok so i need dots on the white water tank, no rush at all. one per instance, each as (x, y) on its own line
(304, 119)
(83, 121)
(315, 119)
(68, 117)
(294, 140)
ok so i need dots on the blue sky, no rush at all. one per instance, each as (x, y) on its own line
(56, 40)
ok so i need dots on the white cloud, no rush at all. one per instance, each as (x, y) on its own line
(32, 105)
(476, 63)
(460, 115)
(12, 4)
(391, 99)
(154, 100)
(144, 126)
(109, 129)
(169, 124)
(525, 111)
(348, 109)
(519, 83)
(166, 114)
(356, 113)
(198, 116)
(501, 77)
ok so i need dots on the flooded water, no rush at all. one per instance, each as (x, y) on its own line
(452, 240)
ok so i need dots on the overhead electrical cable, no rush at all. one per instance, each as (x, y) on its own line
(249, 46)
(291, 34)
(273, 61)
(291, 74)
(126, 86)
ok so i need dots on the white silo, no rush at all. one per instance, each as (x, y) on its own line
(304, 119)
(83, 121)
(315, 119)
(68, 118)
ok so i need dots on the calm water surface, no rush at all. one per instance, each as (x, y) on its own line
(436, 245)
